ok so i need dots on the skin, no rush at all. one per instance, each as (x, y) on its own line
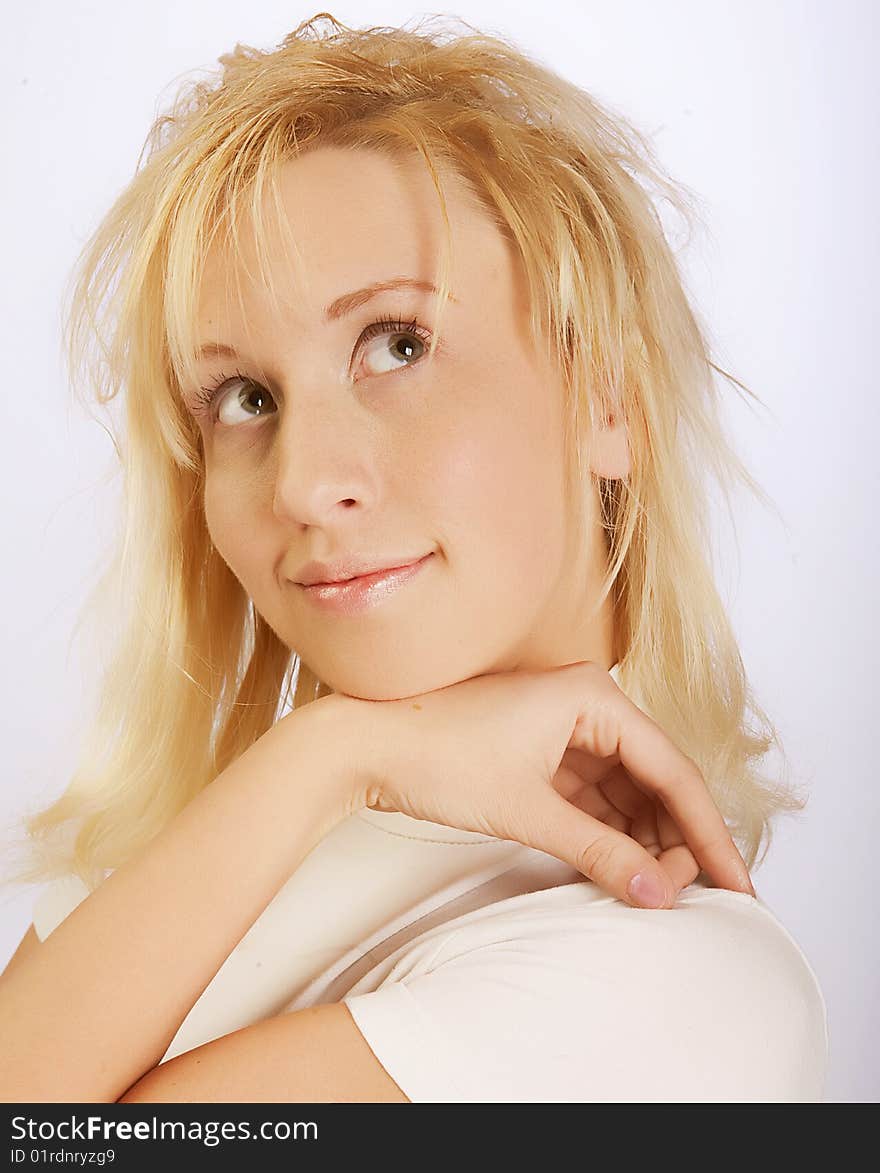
(340, 448)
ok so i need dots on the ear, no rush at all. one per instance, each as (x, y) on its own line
(610, 450)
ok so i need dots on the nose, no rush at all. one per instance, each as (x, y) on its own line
(323, 460)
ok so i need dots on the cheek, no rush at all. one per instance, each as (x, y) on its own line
(499, 492)
(217, 513)
(229, 518)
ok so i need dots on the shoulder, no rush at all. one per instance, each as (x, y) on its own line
(570, 993)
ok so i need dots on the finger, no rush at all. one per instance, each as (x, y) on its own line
(644, 830)
(567, 781)
(592, 803)
(673, 856)
(680, 865)
(619, 788)
(590, 768)
(654, 828)
(589, 799)
(609, 723)
(607, 856)
(670, 834)
(676, 856)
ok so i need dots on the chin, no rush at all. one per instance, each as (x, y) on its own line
(391, 685)
(386, 690)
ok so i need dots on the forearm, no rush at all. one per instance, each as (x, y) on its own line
(99, 1003)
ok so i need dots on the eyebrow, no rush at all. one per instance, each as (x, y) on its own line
(340, 308)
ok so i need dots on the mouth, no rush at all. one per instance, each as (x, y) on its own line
(355, 595)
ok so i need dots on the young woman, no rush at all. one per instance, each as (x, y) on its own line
(417, 414)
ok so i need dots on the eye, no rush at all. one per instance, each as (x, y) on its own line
(409, 342)
(219, 392)
(402, 336)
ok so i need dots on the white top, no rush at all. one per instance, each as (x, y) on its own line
(481, 970)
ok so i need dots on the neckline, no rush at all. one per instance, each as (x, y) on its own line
(405, 826)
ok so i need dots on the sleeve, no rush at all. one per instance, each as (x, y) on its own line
(699, 1003)
(56, 901)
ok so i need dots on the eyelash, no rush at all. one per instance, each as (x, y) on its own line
(205, 397)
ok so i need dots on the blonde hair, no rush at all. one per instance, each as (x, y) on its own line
(196, 675)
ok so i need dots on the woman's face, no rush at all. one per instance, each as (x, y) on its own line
(326, 444)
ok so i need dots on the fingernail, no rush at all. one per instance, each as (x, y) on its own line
(646, 890)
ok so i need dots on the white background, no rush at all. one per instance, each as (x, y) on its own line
(768, 112)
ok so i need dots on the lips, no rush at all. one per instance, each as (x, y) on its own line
(327, 574)
(368, 574)
(361, 592)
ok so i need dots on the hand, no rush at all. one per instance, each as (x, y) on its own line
(560, 760)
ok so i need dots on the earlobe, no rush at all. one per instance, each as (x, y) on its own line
(610, 450)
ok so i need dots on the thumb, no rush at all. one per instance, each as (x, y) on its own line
(611, 859)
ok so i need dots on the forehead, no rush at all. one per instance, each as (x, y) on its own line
(351, 217)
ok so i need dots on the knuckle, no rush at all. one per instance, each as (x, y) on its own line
(597, 858)
(597, 729)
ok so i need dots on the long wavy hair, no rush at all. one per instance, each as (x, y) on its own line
(192, 674)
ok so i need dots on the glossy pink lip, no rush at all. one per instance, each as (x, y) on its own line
(358, 594)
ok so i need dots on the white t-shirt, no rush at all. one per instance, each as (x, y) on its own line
(480, 970)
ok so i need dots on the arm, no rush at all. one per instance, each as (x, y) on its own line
(312, 1056)
(95, 1007)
